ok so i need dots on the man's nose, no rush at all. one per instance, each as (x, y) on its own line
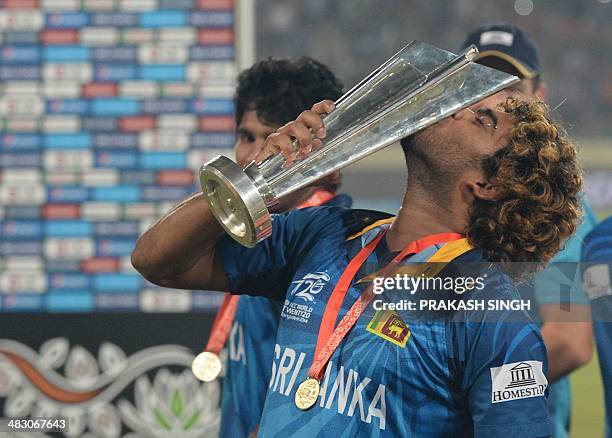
(255, 148)
(258, 144)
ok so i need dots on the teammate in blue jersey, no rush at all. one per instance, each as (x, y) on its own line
(294, 83)
(506, 47)
(597, 278)
(497, 181)
(269, 94)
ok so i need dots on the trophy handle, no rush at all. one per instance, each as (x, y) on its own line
(236, 201)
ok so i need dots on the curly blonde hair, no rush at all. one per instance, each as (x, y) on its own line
(539, 180)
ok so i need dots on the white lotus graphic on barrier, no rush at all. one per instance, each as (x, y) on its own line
(90, 391)
(174, 405)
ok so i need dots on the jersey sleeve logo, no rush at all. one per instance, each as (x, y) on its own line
(309, 286)
(389, 326)
(517, 380)
(596, 281)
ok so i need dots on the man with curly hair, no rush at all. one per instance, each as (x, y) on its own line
(495, 182)
(270, 93)
(562, 306)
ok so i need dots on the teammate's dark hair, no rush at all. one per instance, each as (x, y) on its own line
(280, 89)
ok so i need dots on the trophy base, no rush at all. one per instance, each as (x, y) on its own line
(235, 201)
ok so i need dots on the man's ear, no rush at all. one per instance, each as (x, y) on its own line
(484, 190)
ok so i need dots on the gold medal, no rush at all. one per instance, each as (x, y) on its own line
(206, 366)
(307, 394)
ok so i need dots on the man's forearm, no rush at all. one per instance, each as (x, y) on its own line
(178, 241)
(569, 347)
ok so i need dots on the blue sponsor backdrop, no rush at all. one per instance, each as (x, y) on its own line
(107, 109)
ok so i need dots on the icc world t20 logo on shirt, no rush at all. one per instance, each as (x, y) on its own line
(309, 286)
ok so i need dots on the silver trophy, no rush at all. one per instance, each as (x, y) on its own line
(418, 86)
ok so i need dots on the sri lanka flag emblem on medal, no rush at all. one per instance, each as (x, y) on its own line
(389, 326)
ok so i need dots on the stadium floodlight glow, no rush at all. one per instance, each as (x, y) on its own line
(415, 88)
(523, 7)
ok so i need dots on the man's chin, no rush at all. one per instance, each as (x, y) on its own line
(292, 200)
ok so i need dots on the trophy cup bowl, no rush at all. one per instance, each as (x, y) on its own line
(415, 88)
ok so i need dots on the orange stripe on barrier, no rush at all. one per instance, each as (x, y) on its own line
(183, 177)
(100, 264)
(215, 4)
(99, 89)
(61, 211)
(59, 36)
(46, 387)
(136, 123)
(215, 36)
(21, 4)
(217, 123)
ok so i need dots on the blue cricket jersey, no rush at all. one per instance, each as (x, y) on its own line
(250, 350)
(597, 256)
(555, 287)
(395, 373)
